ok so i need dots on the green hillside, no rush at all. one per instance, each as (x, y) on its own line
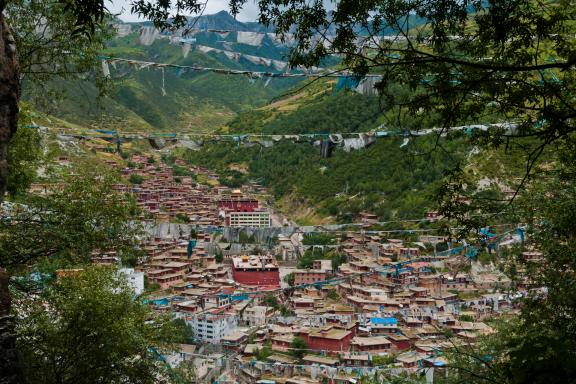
(388, 178)
(391, 178)
(197, 101)
(385, 178)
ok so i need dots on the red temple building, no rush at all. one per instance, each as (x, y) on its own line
(238, 204)
(260, 271)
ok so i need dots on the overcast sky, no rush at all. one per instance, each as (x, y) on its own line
(248, 13)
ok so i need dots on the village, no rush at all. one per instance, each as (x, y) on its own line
(213, 258)
(287, 192)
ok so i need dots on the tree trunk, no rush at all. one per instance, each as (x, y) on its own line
(9, 95)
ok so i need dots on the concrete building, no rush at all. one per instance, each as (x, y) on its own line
(256, 219)
(238, 203)
(134, 279)
(257, 315)
(371, 344)
(212, 326)
(308, 276)
(328, 338)
(182, 353)
(261, 271)
(216, 301)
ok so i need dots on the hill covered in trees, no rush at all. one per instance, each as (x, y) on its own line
(392, 178)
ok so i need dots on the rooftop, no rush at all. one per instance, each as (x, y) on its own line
(320, 360)
(254, 262)
(333, 333)
(372, 340)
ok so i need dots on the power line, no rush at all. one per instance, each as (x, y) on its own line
(188, 29)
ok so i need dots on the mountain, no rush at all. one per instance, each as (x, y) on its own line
(156, 99)
(225, 21)
(391, 178)
(165, 99)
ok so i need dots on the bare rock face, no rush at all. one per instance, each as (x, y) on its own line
(9, 95)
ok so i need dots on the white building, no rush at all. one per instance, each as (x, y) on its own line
(134, 279)
(212, 326)
(123, 29)
(216, 301)
(286, 248)
(257, 315)
(258, 219)
(184, 352)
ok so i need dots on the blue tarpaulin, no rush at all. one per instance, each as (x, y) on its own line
(157, 301)
(485, 232)
(187, 40)
(239, 297)
(384, 320)
(347, 82)
(452, 251)
(520, 233)
(471, 253)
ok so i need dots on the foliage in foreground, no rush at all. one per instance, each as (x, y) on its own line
(540, 345)
(73, 219)
(86, 327)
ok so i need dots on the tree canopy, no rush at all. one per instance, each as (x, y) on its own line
(24, 156)
(86, 327)
(298, 347)
(70, 221)
(459, 60)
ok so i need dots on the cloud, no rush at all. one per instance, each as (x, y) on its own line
(248, 13)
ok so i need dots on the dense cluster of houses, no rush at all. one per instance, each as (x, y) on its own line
(395, 302)
(168, 197)
(391, 299)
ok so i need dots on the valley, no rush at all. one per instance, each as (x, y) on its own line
(287, 192)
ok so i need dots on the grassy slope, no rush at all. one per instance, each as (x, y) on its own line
(193, 101)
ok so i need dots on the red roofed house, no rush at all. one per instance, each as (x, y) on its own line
(328, 339)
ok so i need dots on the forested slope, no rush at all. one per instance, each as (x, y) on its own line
(388, 178)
